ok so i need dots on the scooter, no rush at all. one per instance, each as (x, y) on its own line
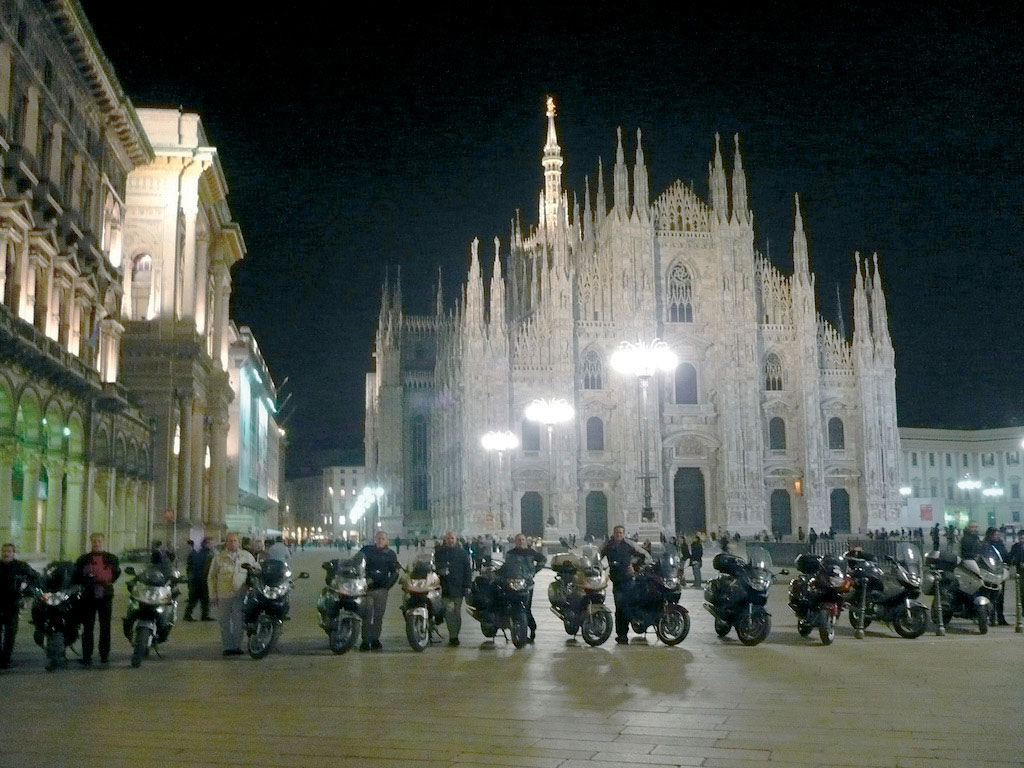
(340, 605)
(738, 597)
(817, 594)
(887, 591)
(964, 588)
(577, 594)
(422, 607)
(265, 605)
(651, 599)
(55, 602)
(152, 610)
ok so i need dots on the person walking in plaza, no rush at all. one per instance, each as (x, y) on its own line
(14, 576)
(696, 559)
(381, 574)
(197, 568)
(812, 538)
(226, 583)
(684, 557)
(534, 561)
(96, 571)
(453, 567)
(619, 552)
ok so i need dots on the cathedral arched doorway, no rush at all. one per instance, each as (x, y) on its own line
(691, 513)
(531, 509)
(597, 515)
(782, 515)
(839, 505)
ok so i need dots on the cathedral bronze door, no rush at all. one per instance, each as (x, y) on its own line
(691, 514)
(839, 505)
(531, 508)
(597, 515)
(782, 515)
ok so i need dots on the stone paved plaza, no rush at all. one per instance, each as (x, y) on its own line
(884, 701)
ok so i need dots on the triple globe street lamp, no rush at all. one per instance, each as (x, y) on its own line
(499, 442)
(549, 412)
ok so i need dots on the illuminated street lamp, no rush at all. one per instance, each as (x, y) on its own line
(906, 490)
(499, 442)
(967, 485)
(644, 360)
(550, 411)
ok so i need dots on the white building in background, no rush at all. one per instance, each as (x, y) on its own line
(934, 462)
(772, 419)
(341, 487)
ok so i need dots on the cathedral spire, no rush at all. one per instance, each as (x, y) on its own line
(716, 183)
(474, 288)
(641, 195)
(621, 191)
(439, 301)
(879, 313)
(740, 204)
(861, 319)
(497, 308)
(552, 164)
(588, 215)
(800, 259)
(602, 203)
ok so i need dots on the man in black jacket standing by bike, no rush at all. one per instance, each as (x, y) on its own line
(14, 575)
(620, 553)
(381, 575)
(96, 571)
(456, 574)
(534, 561)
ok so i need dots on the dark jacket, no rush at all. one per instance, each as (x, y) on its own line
(454, 569)
(13, 576)
(620, 556)
(198, 564)
(1016, 555)
(381, 566)
(970, 546)
(97, 572)
(696, 552)
(524, 560)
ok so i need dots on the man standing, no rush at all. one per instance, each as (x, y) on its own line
(994, 538)
(96, 571)
(197, 569)
(226, 583)
(970, 545)
(14, 574)
(523, 558)
(696, 559)
(381, 575)
(619, 553)
(453, 567)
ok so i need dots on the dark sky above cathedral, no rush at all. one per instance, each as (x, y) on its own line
(379, 137)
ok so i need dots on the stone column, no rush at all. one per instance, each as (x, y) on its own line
(218, 471)
(198, 453)
(53, 520)
(74, 519)
(185, 461)
(30, 533)
(222, 286)
(7, 453)
(190, 209)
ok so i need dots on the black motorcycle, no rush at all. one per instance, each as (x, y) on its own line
(817, 594)
(499, 599)
(340, 605)
(738, 597)
(55, 611)
(265, 605)
(888, 591)
(651, 599)
(152, 609)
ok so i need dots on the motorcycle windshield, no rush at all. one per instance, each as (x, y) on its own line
(154, 576)
(58, 576)
(909, 557)
(517, 568)
(759, 558)
(990, 559)
(353, 568)
(668, 565)
(589, 556)
(275, 573)
(422, 566)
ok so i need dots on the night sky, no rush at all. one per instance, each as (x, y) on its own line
(356, 142)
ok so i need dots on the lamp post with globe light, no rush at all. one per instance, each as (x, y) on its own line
(644, 360)
(549, 412)
(499, 442)
(967, 485)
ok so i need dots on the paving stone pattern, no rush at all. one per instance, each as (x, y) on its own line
(882, 702)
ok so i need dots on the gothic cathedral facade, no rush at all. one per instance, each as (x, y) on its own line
(772, 420)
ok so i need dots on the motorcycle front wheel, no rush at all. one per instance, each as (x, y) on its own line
(983, 621)
(571, 627)
(263, 639)
(912, 625)
(488, 630)
(804, 627)
(855, 614)
(342, 636)
(140, 644)
(722, 627)
(597, 628)
(673, 625)
(826, 626)
(416, 631)
(520, 631)
(753, 629)
(54, 650)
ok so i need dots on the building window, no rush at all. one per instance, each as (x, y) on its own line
(913, 459)
(917, 488)
(949, 460)
(1015, 489)
(949, 490)
(836, 434)
(1012, 459)
(931, 459)
(419, 442)
(531, 435)
(595, 434)
(988, 459)
(686, 384)
(680, 295)
(772, 373)
(592, 370)
(777, 434)
(965, 460)
(934, 489)
(142, 286)
(419, 492)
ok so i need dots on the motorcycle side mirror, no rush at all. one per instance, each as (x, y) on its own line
(303, 575)
(130, 570)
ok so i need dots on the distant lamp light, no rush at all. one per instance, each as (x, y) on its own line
(177, 440)
(67, 431)
(499, 441)
(798, 487)
(993, 493)
(330, 490)
(967, 484)
(642, 359)
(906, 490)
(206, 460)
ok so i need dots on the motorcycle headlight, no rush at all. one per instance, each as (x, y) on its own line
(152, 594)
(517, 585)
(418, 585)
(55, 598)
(836, 580)
(275, 593)
(760, 582)
(351, 587)
(670, 582)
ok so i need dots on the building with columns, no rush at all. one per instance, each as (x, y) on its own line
(773, 418)
(179, 245)
(75, 453)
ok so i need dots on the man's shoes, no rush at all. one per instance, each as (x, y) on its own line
(364, 646)
(85, 662)
(376, 646)
(188, 618)
(208, 618)
(454, 642)
(622, 640)
(233, 652)
(1003, 623)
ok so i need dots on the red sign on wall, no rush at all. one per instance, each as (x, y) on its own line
(926, 512)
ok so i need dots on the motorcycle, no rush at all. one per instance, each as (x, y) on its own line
(817, 594)
(265, 604)
(651, 599)
(499, 600)
(965, 588)
(422, 607)
(55, 608)
(577, 594)
(340, 605)
(738, 597)
(152, 609)
(888, 591)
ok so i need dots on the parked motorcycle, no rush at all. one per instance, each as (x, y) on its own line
(817, 594)
(888, 591)
(422, 607)
(651, 599)
(265, 605)
(738, 597)
(55, 601)
(965, 588)
(340, 605)
(499, 599)
(577, 594)
(152, 609)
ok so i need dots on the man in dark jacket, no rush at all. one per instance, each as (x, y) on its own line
(453, 567)
(970, 545)
(14, 576)
(994, 538)
(523, 558)
(619, 553)
(96, 571)
(197, 568)
(381, 575)
(696, 559)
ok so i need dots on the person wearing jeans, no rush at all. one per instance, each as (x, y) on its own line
(226, 582)
(381, 574)
(96, 571)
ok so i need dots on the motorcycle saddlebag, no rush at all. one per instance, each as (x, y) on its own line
(807, 563)
(728, 564)
(941, 561)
